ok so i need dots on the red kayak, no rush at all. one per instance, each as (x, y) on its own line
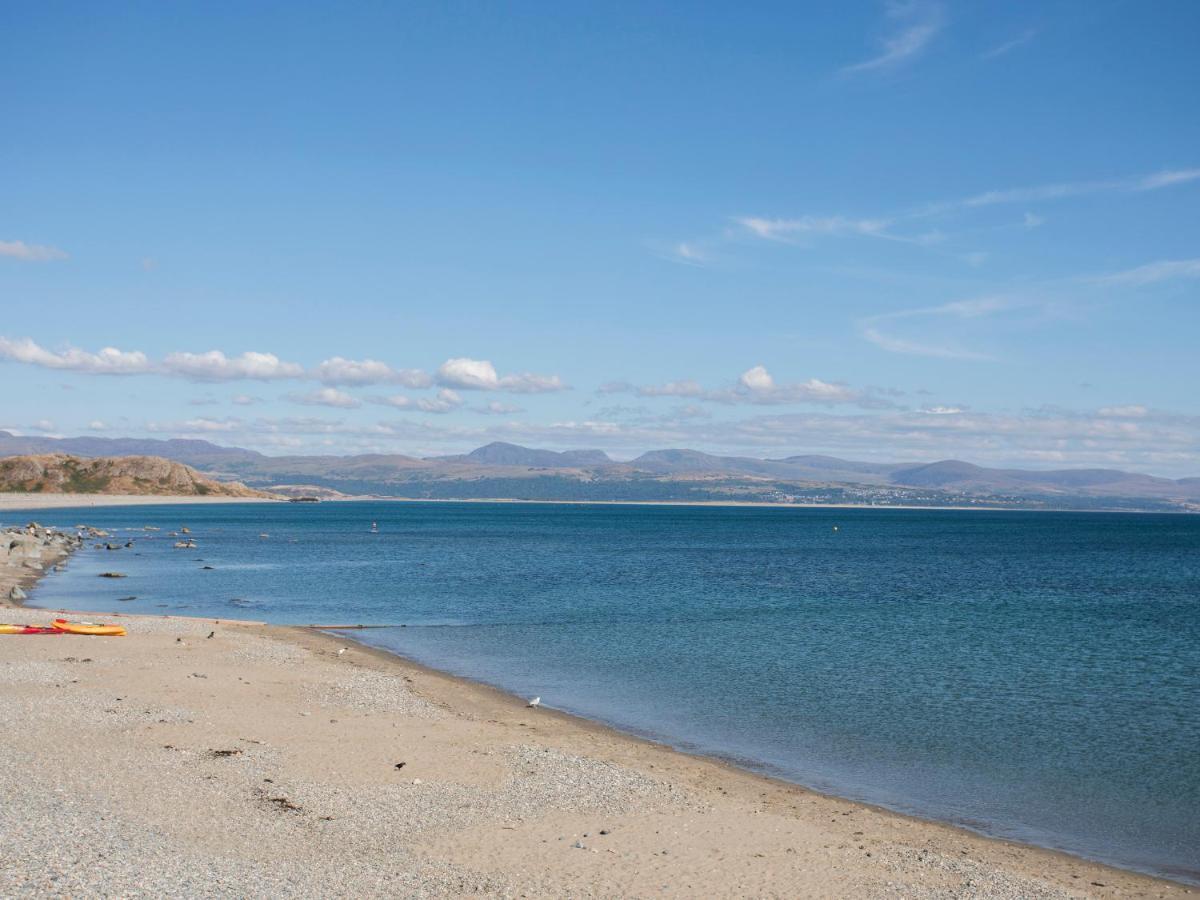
(28, 629)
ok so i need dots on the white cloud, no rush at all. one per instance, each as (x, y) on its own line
(942, 410)
(108, 361)
(44, 425)
(919, 24)
(245, 400)
(1152, 273)
(481, 375)
(216, 366)
(30, 252)
(97, 425)
(472, 374)
(326, 396)
(757, 379)
(758, 386)
(339, 371)
(1032, 221)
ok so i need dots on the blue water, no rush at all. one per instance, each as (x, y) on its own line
(1029, 675)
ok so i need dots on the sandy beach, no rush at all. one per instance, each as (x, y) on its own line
(28, 502)
(216, 757)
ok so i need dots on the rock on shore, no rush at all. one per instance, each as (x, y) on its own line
(27, 552)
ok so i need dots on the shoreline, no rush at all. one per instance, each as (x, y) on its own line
(20, 503)
(1015, 869)
(14, 502)
(727, 765)
(856, 848)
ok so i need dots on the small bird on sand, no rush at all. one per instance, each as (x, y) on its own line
(341, 651)
(536, 701)
(211, 633)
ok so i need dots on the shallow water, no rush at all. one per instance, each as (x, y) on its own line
(1030, 675)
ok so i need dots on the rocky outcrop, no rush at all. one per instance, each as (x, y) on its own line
(26, 552)
(62, 474)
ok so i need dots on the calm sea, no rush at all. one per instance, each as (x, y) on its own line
(1029, 675)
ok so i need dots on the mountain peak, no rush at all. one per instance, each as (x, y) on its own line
(502, 453)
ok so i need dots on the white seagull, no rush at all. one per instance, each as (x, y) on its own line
(536, 701)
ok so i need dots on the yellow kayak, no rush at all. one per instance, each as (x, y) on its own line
(88, 628)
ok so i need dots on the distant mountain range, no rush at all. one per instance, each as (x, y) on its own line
(502, 470)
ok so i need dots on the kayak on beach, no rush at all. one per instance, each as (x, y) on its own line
(88, 628)
(29, 629)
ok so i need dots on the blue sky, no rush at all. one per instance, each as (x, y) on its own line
(890, 231)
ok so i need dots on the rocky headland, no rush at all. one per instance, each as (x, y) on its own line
(60, 473)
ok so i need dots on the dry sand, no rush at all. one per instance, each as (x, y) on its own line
(21, 502)
(260, 761)
(30, 502)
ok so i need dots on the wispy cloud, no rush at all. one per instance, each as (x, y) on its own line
(755, 386)
(894, 344)
(973, 308)
(1152, 273)
(689, 253)
(1167, 178)
(1062, 190)
(30, 252)
(1132, 411)
(684, 388)
(326, 396)
(786, 229)
(1008, 46)
(496, 408)
(914, 26)
(445, 401)
(799, 230)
